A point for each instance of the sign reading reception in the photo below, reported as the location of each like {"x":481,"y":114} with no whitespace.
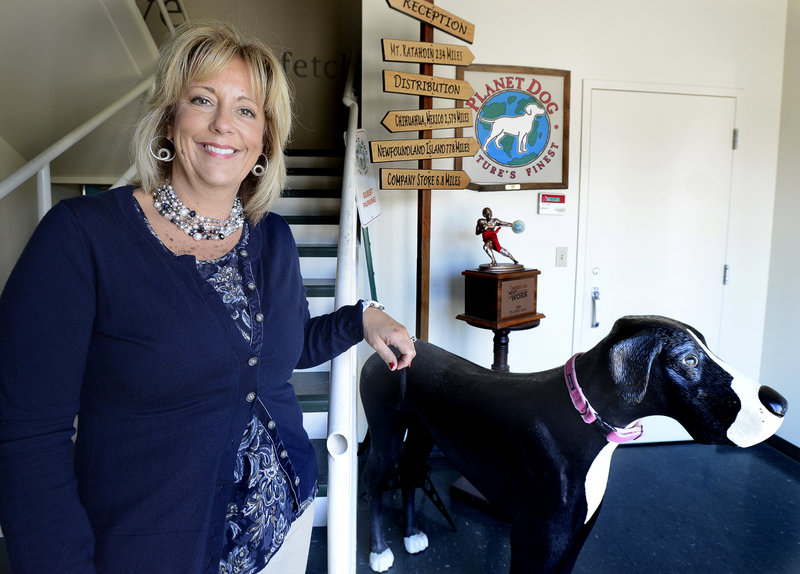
{"x":522,"y":126}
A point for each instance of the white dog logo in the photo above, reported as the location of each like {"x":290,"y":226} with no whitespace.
{"x":516,"y":126}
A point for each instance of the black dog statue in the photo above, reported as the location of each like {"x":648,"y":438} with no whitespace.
{"x":538,"y":446}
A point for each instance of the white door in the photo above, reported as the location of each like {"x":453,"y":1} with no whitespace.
{"x":656,"y":187}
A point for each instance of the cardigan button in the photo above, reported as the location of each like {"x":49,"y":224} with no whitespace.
{"x":251,"y":286}
{"x":259,"y":317}
{"x":250,"y":397}
{"x":297,"y":481}
{"x":243,"y":253}
{"x":284,"y":454}
{"x":271,"y":425}
{"x":252,"y":361}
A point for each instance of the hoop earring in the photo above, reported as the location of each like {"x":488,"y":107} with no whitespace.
{"x":163,"y":154}
{"x":258,"y":169}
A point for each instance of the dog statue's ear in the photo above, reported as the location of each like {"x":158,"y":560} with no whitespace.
{"x":629,"y":361}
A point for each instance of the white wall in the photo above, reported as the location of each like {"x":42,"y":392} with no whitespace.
{"x":17,"y":212}
{"x":687,"y":42}
{"x":781,"y":362}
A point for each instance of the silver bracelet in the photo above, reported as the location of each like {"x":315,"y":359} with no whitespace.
{"x":370,"y":303}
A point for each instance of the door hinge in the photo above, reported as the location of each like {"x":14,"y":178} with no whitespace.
{"x":725,"y":271}
{"x":735,"y":138}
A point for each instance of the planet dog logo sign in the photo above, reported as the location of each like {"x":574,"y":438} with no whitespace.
{"x":512,"y":128}
{"x":521,"y":125}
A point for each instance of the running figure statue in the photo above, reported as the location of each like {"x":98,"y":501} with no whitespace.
{"x":487,"y":227}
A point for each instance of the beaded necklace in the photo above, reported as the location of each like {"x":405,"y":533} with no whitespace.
{"x":168,"y":204}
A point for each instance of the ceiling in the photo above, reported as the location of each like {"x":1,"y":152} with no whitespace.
{"x":63,"y":62}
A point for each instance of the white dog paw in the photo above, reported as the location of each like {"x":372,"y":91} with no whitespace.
{"x":381,"y":562}
{"x":416,"y":542}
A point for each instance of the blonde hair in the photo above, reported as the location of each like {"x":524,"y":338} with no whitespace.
{"x":197,"y":51}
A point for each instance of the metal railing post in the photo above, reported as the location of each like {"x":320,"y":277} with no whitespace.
{"x":342,"y":440}
{"x":44,"y":191}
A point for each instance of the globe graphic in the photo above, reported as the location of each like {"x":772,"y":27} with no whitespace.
{"x":511,"y":103}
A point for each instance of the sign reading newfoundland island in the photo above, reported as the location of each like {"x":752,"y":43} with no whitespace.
{"x":522,"y":126}
{"x":403,"y":150}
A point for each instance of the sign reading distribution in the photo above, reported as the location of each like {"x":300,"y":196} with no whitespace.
{"x":421,"y":85}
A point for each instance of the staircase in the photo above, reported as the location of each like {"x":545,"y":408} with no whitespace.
{"x":310,"y":204}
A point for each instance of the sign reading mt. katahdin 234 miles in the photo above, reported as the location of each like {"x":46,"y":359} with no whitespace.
{"x":426,"y":52}
{"x":436,"y":17}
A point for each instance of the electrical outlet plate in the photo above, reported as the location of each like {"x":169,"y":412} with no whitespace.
{"x":561,"y":256}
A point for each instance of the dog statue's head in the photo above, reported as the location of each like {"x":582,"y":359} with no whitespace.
{"x":666,"y":364}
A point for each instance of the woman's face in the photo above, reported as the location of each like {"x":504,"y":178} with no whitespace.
{"x":218,"y":131}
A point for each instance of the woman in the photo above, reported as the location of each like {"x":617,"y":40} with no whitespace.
{"x":169,"y":317}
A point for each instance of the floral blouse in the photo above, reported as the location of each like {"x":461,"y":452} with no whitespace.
{"x":261,"y":508}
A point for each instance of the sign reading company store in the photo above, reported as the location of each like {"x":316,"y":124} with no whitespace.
{"x":522,"y":126}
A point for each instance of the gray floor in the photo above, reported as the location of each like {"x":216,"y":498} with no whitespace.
{"x":680,"y":508}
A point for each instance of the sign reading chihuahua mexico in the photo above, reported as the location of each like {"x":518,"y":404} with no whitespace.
{"x":429,"y":14}
{"x":435,"y":119}
{"x":426,"y":52}
{"x":522,"y":126}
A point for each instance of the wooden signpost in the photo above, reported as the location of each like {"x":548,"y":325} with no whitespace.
{"x":426,"y":86}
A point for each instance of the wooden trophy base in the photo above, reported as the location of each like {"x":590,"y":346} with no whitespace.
{"x":502,"y":299}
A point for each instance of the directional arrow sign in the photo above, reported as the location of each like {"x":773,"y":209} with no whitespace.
{"x":420,"y":85}
{"x":436,"y":17}
{"x":435,"y":119}
{"x":402,"y":150}
{"x":423,"y":179}
{"x":426,"y":52}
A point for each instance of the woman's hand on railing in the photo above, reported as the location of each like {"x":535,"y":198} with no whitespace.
{"x":380,"y":331}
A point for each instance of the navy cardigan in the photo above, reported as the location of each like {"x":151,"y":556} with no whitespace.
{"x":99,"y":319}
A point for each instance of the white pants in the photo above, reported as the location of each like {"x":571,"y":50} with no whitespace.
{"x":292,"y":556}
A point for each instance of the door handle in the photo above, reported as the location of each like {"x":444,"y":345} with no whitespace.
{"x":595,"y":299}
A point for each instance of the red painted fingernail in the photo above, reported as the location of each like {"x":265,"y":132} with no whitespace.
{"x":391,"y":366}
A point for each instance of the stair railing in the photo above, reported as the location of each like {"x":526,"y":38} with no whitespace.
{"x":342,"y":443}
{"x":165,"y":13}
{"x":40,"y":165}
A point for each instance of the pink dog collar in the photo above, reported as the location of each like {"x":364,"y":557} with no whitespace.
{"x":589,"y":415}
